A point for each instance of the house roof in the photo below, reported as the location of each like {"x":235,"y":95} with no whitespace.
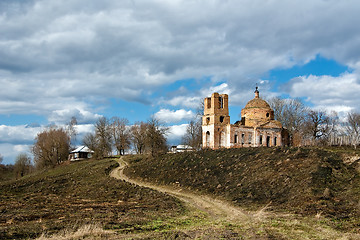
{"x":184,"y":147}
{"x":82,"y":149}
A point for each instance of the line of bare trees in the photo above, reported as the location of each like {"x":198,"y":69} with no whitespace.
{"x":52,"y":146}
{"x":315,"y":127}
{"x":144,"y":137}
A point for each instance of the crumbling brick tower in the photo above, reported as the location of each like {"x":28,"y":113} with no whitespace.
{"x":216,"y":121}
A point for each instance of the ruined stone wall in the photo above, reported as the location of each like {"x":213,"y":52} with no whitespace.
{"x":241,"y":136}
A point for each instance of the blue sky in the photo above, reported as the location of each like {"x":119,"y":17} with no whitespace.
{"x":137,"y":59}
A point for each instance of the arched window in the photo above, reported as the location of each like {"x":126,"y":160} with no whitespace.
{"x":260,"y":140}
{"x":222,"y":119}
{"x":235,"y":138}
{"x":275,"y":141}
{"x":207,"y":139}
{"x":268,"y":141}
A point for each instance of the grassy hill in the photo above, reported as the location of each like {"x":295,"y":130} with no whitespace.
{"x":308,"y":181}
{"x":71,"y":196}
{"x":321,"y":186}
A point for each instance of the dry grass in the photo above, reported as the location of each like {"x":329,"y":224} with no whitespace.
{"x":300,"y":180}
{"x":81,"y":201}
{"x":78,"y":194}
{"x":88,"y":231}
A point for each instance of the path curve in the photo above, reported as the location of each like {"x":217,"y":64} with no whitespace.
{"x":214,"y":207}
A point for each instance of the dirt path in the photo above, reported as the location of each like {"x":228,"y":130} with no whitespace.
{"x":214,"y":207}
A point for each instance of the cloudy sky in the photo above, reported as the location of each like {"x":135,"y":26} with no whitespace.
{"x":137,"y":59}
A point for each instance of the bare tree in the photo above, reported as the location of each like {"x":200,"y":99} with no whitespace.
{"x":138,"y":136}
{"x":101,"y":141}
{"x":200,"y":108}
{"x":278,"y":105}
{"x":353,"y":128}
{"x":90,"y":141}
{"x":22,"y":165}
{"x":71,"y":129}
{"x":155,"y":137}
{"x":120,"y":134}
{"x":51,"y":147}
{"x":193,"y":135}
{"x":318,"y":126}
{"x":292,"y":114}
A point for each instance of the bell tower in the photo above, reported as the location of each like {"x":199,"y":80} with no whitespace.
{"x":216,"y":121}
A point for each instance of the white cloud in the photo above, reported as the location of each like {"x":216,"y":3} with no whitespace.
{"x":21,"y":148}
{"x":176,"y":132}
{"x":339,"y":93}
{"x":65,"y":115}
{"x":10,"y":151}
{"x":168,"y":116}
{"x":85,"y":128}
{"x":222,"y":88}
{"x":18,"y":134}
{"x":184,"y":101}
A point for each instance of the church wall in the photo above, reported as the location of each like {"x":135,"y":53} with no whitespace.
{"x":244,"y":136}
{"x":266,"y":137}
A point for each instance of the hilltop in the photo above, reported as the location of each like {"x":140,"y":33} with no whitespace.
{"x":71,"y":196}
{"x":306,"y":181}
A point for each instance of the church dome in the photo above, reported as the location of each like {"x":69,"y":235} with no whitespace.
{"x":256,"y":112}
{"x":257,"y":103}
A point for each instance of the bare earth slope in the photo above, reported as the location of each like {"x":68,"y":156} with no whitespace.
{"x":215,"y":207}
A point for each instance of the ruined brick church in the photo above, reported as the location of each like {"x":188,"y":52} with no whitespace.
{"x":256,"y":128}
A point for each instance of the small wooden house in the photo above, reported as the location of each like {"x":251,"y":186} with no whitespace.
{"x":80,"y":153}
{"x":181,"y":148}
